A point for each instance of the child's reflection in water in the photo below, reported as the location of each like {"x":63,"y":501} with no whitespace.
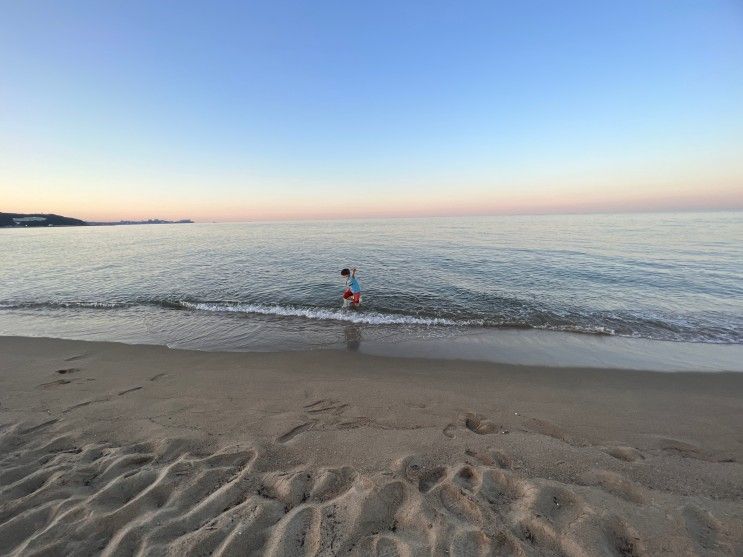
{"x":353,"y":337}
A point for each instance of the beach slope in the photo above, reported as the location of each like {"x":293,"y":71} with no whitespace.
{"x":116,"y":449}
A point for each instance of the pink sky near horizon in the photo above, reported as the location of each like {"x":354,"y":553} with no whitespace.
{"x":404,"y":205}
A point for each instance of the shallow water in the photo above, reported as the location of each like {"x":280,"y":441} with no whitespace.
{"x":673,"y":277}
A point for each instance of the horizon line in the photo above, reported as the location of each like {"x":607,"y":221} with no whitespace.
{"x":481,"y":215}
{"x":240,"y":220}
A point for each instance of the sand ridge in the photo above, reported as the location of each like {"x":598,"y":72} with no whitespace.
{"x":307,"y":459}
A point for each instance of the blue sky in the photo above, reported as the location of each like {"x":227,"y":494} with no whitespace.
{"x":298,"y":109}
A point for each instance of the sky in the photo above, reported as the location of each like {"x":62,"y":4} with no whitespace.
{"x":229,"y":111}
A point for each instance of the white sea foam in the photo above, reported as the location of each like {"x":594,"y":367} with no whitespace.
{"x":589,"y":330}
{"x":352,"y":316}
{"x":93,"y":305}
{"x":70,"y":304}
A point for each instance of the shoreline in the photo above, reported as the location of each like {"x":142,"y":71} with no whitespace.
{"x":527,"y":347}
{"x":557,"y":349}
{"x":114,"y":448}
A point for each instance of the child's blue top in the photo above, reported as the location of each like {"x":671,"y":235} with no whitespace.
{"x":353,"y":284}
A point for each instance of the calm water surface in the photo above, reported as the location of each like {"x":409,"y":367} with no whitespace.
{"x":674,"y":277}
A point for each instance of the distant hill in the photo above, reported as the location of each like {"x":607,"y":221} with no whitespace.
{"x":23,"y":220}
{"x":20,"y":220}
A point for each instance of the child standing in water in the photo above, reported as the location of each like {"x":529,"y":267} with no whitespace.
{"x":353,"y":288}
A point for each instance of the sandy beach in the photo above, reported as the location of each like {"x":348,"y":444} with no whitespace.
{"x":118,"y":449}
{"x":398,"y":280}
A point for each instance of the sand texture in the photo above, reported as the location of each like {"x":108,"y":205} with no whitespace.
{"x":132,"y":450}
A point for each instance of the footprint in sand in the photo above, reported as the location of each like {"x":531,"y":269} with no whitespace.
{"x":427,"y":475}
{"x":492,"y":458}
{"x":687,"y":450}
{"x":34,"y":428}
{"x":627,"y":454}
{"x":125,"y":391}
{"x":68,"y":370}
{"x":558,"y":506}
{"x":429,"y":478}
{"x":500,"y":488}
{"x":78,"y":405}
{"x":502,"y":459}
{"x":318,"y":402}
{"x":83,"y":404}
{"x":540,"y":535}
{"x":543,"y":427}
{"x":616,"y":484}
{"x":293,"y":432}
{"x":482,"y":457}
{"x":53,"y":384}
{"x":332,"y":483}
{"x":468,"y":478}
{"x":472,"y":542}
{"x":460,"y":504}
{"x":291,"y":489}
{"x":681,"y":448}
{"x":387,"y":546}
{"x":326,"y":406}
{"x":478,"y":424}
{"x":330,"y":408}
{"x":298,"y":534}
{"x":704,"y":529}
{"x":622,"y":538}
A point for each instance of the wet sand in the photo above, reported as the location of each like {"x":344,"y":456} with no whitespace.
{"x":116,"y":449}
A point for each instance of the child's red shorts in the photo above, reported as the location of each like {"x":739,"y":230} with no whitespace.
{"x":348,"y":294}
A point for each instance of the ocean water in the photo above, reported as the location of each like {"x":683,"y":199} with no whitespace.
{"x":263,"y":286}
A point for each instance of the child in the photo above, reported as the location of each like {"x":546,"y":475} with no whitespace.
{"x":353,"y":289}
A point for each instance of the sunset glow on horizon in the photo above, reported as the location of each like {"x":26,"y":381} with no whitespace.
{"x":294,"y":111}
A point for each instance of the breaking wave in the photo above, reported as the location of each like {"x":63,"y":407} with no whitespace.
{"x":509,"y":314}
{"x":353,"y":316}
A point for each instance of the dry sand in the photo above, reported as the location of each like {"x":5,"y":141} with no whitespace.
{"x":119,"y":450}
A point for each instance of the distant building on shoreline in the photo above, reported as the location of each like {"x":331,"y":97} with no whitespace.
{"x":26,"y":220}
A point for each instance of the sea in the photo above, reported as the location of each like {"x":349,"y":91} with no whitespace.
{"x":514,"y":288}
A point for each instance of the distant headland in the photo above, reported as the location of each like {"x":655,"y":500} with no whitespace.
{"x":25,"y":220}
